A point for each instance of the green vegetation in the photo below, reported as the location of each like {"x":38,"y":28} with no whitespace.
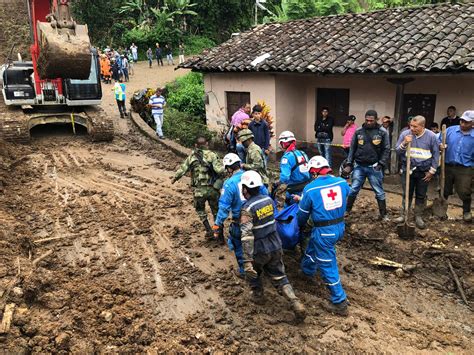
{"x":184,"y":128}
{"x":186,"y":94}
{"x":201,"y":24}
{"x":185,"y":116}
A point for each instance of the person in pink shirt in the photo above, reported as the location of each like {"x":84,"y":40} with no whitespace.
{"x":242,"y":114}
{"x":347,"y":133}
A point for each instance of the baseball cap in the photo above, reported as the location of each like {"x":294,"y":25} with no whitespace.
{"x":468,"y":116}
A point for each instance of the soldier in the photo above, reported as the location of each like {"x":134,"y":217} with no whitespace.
{"x":205,"y":167}
{"x":255,"y":159}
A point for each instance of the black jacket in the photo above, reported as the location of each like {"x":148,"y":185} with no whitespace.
{"x":370,"y":146}
{"x":323,"y":128}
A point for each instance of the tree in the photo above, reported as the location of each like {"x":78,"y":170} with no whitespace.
{"x":181,"y":9}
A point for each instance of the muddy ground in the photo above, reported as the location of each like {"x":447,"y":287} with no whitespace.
{"x":127,"y":268}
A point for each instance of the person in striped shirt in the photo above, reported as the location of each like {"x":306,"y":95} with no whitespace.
{"x":424,"y":162}
{"x":158,"y":103}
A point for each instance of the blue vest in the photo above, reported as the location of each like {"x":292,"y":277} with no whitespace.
{"x":262,"y":210}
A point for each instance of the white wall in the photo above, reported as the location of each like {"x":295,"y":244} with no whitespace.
{"x":292,"y":97}
{"x":260,"y":86}
{"x":449,"y":90}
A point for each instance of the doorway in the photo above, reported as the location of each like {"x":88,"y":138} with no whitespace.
{"x":418,"y":104}
{"x":235,"y":100}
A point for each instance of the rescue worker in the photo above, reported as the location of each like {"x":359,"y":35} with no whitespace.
{"x":255,"y":159}
{"x":294,"y":171}
{"x":262,"y":249}
{"x":119,"y":91}
{"x":324,"y":201}
{"x":206,"y":168}
{"x":231,"y":200}
{"x":368,"y":156}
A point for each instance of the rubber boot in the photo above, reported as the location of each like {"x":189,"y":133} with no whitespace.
{"x":401,"y":218}
{"x":466,"y":209}
{"x":350,"y":203}
{"x":220,"y":238}
{"x":209,"y":231}
{"x":298,"y":307}
{"x":256,"y":296}
{"x":383,"y":210}
{"x":418,"y":216}
{"x":339,"y":309}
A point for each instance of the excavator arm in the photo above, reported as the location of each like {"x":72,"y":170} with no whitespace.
{"x":61,"y":47}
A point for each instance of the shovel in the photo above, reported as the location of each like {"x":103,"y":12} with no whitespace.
{"x":440,"y":205}
{"x":405,"y":230}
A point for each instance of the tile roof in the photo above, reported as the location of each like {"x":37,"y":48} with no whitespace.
{"x":404,"y":40}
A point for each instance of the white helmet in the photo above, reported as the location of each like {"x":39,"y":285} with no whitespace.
{"x":230,"y":159}
{"x":251,"y":179}
{"x":286,"y":136}
{"x":318,"y":162}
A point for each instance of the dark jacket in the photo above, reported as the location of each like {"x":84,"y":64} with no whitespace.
{"x":158,"y":52}
{"x":323,"y":128}
{"x":261,"y":133}
{"x":370,"y":146}
{"x":450,"y":121}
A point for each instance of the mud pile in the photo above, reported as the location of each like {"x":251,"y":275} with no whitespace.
{"x":100,"y":253}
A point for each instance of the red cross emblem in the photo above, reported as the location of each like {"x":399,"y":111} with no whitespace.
{"x":332,"y":194}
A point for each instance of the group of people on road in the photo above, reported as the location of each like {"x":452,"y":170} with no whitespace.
{"x":167,"y":52}
{"x":323,"y":199}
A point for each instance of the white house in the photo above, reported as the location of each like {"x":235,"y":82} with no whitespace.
{"x":400,"y":62}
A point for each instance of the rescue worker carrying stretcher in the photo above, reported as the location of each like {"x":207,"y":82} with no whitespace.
{"x":324,"y":200}
{"x":262,"y":249}
{"x":206,"y":170}
{"x":232,"y":199}
{"x":293,"y":167}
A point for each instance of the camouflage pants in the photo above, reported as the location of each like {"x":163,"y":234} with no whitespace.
{"x":203,"y":194}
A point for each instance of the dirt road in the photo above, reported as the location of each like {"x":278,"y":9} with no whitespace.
{"x":126,"y":267}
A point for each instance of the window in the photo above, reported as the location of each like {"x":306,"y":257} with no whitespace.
{"x":337,"y":100}
{"x":235,"y":100}
{"x":418,"y":104}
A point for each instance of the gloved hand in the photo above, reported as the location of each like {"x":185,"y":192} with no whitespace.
{"x":250,"y":272}
{"x":378,"y":167}
{"x":348,"y":169}
{"x":217,"y":230}
{"x":173,"y":180}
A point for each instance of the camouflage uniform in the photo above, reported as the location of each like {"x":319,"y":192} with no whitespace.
{"x":201,"y":180}
{"x":256,"y":161}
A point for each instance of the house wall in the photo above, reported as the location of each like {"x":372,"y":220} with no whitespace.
{"x":260,"y":86}
{"x":292,"y":97}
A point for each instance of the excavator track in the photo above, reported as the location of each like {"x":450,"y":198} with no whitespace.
{"x":100,"y":126}
{"x":15,"y":124}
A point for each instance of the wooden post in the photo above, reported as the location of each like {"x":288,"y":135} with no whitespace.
{"x":397,"y":118}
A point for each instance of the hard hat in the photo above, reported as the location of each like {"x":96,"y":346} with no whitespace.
{"x":318,"y":162}
{"x":251,"y":179}
{"x":245,"y":134}
{"x":230,"y":159}
{"x":286,"y":136}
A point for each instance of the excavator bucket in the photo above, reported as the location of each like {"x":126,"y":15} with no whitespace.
{"x":63,"y":52}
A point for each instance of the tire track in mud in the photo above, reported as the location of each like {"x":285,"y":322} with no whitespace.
{"x":131,"y":271}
